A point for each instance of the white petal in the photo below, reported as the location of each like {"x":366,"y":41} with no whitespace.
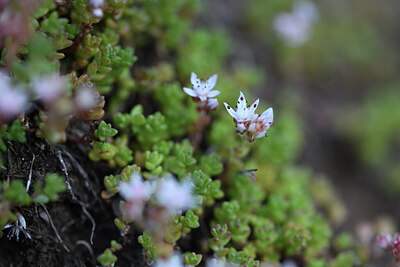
{"x":202,"y":98}
{"x":194,"y":80}
{"x":253,"y":107}
{"x":190,"y":92}
{"x":252,"y":127}
{"x":262,"y":134}
{"x":211,"y":81}
{"x":268,"y":115}
{"x":22,"y":221}
{"x":8,"y":225}
{"x":213,"y":93}
{"x":242,"y":103}
{"x":230,"y":110}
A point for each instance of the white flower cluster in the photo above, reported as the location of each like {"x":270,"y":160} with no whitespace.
{"x":247,"y":121}
{"x":202,"y":91}
{"x":168,"y":193}
{"x":296,"y":27}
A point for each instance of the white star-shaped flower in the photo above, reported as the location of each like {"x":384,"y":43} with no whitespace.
{"x":243,"y":113}
{"x":202,"y":90}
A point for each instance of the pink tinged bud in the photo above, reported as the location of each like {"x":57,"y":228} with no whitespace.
{"x":212,"y":103}
{"x":240,"y":128}
{"x":383,"y":240}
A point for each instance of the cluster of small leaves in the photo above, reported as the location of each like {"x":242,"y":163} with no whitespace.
{"x":111,"y":182}
{"x":192,"y":259}
{"x":148,"y":243}
{"x":178,"y":116}
{"x":15,"y":131}
{"x":14,"y":194}
{"x":107,"y":258}
{"x":115,"y":151}
{"x":206,"y":188}
{"x":180,"y":225}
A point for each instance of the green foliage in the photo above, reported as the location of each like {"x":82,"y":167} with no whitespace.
{"x":203,"y":53}
{"x":105,"y":130}
{"x":55,"y":184}
{"x":205,"y":187}
{"x":221,"y":237}
{"x":15,"y":194}
{"x":271,"y":217}
{"x":240,"y":258}
{"x":111,"y":182}
{"x":15,"y":131}
{"x":179,"y":116}
{"x":181,"y":159}
{"x":211,"y":164}
{"x":180,"y":225}
{"x":192,"y":259}
{"x":152,"y":163}
{"x":344,"y":259}
{"x":107,"y":258}
{"x":147,"y":241}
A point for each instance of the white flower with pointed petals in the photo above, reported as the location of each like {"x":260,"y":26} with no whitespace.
{"x":202,"y":90}
{"x":243,"y":113}
{"x":17,"y":227}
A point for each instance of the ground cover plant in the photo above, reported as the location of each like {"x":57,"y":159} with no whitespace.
{"x":126,"y":139}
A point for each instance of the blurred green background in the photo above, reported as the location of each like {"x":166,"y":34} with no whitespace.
{"x":335,"y":64}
